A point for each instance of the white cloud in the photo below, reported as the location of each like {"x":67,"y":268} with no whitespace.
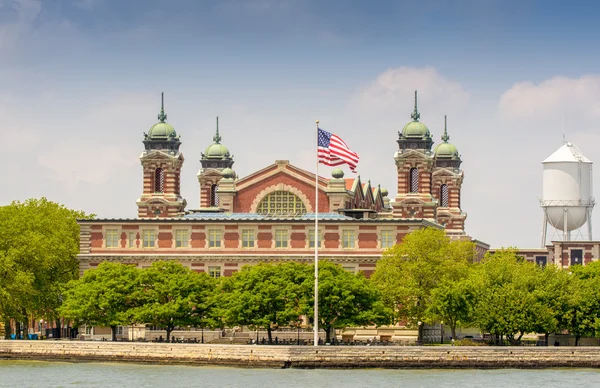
{"x":394,"y":88}
{"x":576,"y":98}
{"x":77,"y":161}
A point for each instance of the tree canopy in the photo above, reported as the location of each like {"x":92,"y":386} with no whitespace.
{"x":103,"y":296}
{"x":408,"y":274}
{"x":38,"y":249}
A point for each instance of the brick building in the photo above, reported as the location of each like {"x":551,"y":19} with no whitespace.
{"x":269,"y":214}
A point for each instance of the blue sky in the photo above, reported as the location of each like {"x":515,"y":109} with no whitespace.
{"x":81,"y":82}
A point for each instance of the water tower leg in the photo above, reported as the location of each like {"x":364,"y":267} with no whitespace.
{"x":589,"y":222}
{"x":565,"y":225}
{"x":544,"y":228}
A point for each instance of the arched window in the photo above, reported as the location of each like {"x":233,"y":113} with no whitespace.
{"x":414,"y":180}
{"x":159,"y":180}
{"x":214,"y":197}
{"x":281,"y":202}
{"x":444,"y":195}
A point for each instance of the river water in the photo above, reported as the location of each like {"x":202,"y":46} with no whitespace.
{"x":57,"y":374}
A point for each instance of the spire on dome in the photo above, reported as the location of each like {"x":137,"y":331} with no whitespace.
{"x":217,"y":137}
{"x":445,"y":136}
{"x":415,"y":115}
{"x":162,"y":117}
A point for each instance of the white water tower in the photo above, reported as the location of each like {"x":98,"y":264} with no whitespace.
{"x":567,"y":198}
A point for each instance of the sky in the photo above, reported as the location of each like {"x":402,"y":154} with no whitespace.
{"x":80,"y":82}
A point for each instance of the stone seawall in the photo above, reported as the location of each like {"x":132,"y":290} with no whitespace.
{"x":305,"y":356}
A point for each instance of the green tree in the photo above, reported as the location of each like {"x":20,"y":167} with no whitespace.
{"x":556,"y":291}
{"x":15,"y":286}
{"x":103,"y":296}
{"x":345,"y":299}
{"x":453,"y":302}
{"x":263,"y":296}
{"x":40,"y":240}
{"x":507,"y":302}
{"x":408,"y":273}
{"x":170,"y":295}
{"x":583,"y":314}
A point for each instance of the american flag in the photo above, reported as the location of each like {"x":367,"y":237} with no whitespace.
{"x":333,"y":151}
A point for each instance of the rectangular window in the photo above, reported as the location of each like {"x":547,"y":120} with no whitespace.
{"x":349,"y":268}
{"x":181,"y":238}
{"x":88,"y":329}
{"x":214,"y":271}
{"x":148,"y":238}
{"x":576,"y":256}
{"x":112,"y":238}
{"x":214,"y":238}
{"x":388,"y":239}
{"x":348,"y":239}
{"x":541,"y":261}
{"x":119,"y":330}
{"x":247,"y":238}
{"x":281,"y":238}
{"x":131,"y":237}
{"x":311,"y":238}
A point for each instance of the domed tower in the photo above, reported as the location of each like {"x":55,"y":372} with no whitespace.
{"x":414,"y":162}
{"x":215,"y":159}
{"x":446,"y":184}
{"x":161,"y":163}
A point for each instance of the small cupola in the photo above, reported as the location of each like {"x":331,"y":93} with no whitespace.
{"x":446,"y":151}
{"x":162,"y":135}
{"x":415,"y":134}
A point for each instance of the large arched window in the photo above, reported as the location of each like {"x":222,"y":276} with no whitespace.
{"x":414,"y":180}
{"x":214,"y":197}
{"x":159,"y":180}
{"x":444,"y":195}
{"x":281,"y":202}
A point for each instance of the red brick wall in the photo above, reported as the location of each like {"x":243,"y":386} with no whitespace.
{"x":246,"y":196}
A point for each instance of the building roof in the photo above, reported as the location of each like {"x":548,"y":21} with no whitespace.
{"x":261,"y":217}
{"x":254,"y":217}
{"x":567,"y":153}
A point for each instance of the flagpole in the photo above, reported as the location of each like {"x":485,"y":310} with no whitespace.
{"x":316,"y":308}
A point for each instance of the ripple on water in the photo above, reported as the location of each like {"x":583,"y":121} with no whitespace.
{"x":58,"y":374}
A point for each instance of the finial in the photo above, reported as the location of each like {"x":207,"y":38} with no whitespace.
{"x":162,"y":117}
{"x":415,"y":115}
{"x":217,"y":137}
{"x":445,"y":136}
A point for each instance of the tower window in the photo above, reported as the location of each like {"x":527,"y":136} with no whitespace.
{"x":214,"y":197}
{"x":414,"y":180}
{"x":159,"y":180}
{"x":444,"y":195}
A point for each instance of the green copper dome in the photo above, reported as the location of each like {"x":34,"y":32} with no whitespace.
{"x":162,"y":135}
{"x":446,"y":150}
{"x":228,"y":173}
{"x":217,"y":150}
{"x":161,"y":130}
{"x":415,"y":130}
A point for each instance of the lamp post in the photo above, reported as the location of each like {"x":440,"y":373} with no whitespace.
{"x":298,"y":333}
{"x":442,"y":332}
{"x":202,"y":339}
{"x":419,"y":333}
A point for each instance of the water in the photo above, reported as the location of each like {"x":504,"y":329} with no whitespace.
{"x":57,"y":374}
